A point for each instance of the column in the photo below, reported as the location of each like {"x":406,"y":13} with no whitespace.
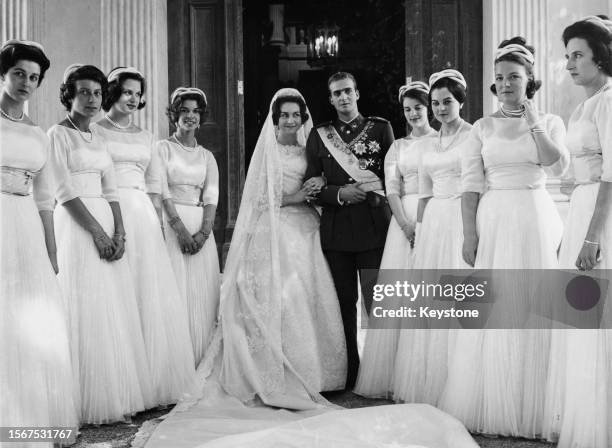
{"x":134,"y":33}
{"x":14,"y":22}
{"x":14,"y":19}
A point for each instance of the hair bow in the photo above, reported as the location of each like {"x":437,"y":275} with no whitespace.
{"x":187,"y":90}
{"x":114,"y":73}
{"x":70,"y":70}
{"x":419,"y":86}
{"x":450,"y":73}
{"x":27,"y":43}
{"x":515,"y":49}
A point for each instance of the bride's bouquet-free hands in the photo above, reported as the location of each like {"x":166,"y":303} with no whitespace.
{"x":309,"y":192}
{"x":315,"y":184}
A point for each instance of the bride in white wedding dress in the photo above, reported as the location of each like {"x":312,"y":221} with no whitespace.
{"x":280,"y":340}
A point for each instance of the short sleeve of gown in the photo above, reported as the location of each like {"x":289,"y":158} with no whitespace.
{"x":472,"y":165}
{"x":392,"y":173}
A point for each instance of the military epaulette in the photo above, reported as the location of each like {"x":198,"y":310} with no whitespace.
{"x":325,"y":123}
{"x":378,"y":119}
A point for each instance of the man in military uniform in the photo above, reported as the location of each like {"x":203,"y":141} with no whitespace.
{"x":350,"y":152}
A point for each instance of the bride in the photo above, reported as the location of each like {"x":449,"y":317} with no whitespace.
{"x":280,"y":339}
{"x":279,"y":327}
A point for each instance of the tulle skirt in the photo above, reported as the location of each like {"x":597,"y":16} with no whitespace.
{"x":579,"y":398}
{"x":36,"y":382}
{"x":108,"y":351}
{"x":163,"y":315}
{"x":518,"y":229}
{"x":422,"y":355}
{"x":198,"y":279}
{"x":377,"y":363}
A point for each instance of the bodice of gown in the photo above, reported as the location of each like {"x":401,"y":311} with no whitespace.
{"x":589,"y":139}
{"x":24,"y":151}
{"x":401,"y":166}
{"x":137,"y":163}
{"x":81,"y":168}
{"x":501,"y":154}
{"x":440,"y":171}
{"x":293,"y":160}
{"x":189,"y":174}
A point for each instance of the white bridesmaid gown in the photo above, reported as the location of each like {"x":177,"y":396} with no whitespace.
{"x":375,"y":377}
{"x":518,"y":228}
{"x":422,"y":355}
{"x":108,"y":351}
{"x":36,"y":381}
{"x":191,"y":180}
{"x":163,"y":314}
{"x":579,"y":400}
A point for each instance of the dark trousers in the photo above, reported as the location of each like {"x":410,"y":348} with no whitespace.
{"x":344,"y":267}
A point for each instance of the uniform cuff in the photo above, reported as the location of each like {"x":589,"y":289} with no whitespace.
{"x":338,"y":198}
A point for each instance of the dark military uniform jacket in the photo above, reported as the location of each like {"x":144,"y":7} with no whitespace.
{"x":351,"y":227}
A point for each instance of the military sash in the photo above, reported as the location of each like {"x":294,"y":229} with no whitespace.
{"x":349,"y":162}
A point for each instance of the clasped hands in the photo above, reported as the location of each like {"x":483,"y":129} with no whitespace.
{"x":109,"y":249}
{"x":409,"y":230}
{"x":190,"y":244}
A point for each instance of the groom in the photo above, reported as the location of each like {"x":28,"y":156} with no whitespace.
{"x":350,"y":153}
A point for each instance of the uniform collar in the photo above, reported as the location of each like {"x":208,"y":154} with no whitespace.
{"x":352,"y":126}
{"x":358,"y":120}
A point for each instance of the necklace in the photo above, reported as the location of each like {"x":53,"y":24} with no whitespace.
{"x":441,"y":148}
{"x":12,"y":118}
{"x":601,"y":89}
{"x":117,"y":125}
{"x":81,"y":132}
{"x":512,"y":113}
{"x":186,"y":148}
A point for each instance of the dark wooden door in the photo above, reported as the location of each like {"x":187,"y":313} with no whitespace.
{"x":205,"y":51}
{"x":446,"y":34}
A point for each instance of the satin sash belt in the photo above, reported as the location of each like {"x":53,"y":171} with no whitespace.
{"x":129,"y":176}
{"x":515,"y":176}
{"x":16,"y":181}
{"x":184,"y":194}
{"x":447,"y":185}
{"x":87,"y":184}
{"x":587,"y":167}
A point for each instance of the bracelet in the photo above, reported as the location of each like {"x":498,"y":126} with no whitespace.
{"x":100,"y":237}
{"x":537,"y":130}
{"x":120,"y":236}
{"x":204,"y":234}
{"x":593,"y":243}
{"x":173,"y":220}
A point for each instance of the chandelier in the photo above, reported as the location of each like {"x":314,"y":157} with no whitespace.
{"x":323,"y":45}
